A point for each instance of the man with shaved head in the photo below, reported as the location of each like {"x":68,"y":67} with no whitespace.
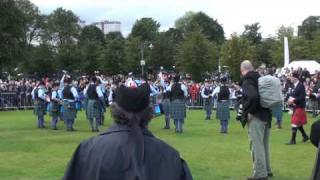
{"x":259,"y":122}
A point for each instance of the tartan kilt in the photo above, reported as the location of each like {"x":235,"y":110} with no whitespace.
{"x":166,"y":107}
{"x":299,"y":117}
{"x":54,"y":109}
{"x":39,"y":108}
{"x":223,"y":110}
{"x":208,"y":103}
{"x":277,"y":111}
{"x":178,"y":109}
{"x":69,"y":110}
{"x":93,"y":109}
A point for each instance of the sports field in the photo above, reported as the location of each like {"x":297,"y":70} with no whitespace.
{"x":28,"y":153}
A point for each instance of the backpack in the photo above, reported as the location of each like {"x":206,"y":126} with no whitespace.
{"x":270,"y":91}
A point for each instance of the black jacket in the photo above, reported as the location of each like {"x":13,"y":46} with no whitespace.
{"x":315,"y":136}
{"x":102,"y":157}
{"x":299,"y":93}
{"x":251,"y":100}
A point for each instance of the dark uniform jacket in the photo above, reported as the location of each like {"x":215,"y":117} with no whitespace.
{"x":102,"y":158}
{"x":299,"y":93}
{"x":251,"y":100}
{"x":315,"y":137}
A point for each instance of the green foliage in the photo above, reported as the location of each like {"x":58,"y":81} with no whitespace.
{"x":197,"y":55}
{"x":183,"y":22}
{"x":234,"y":51}
{"x":112,"y":56}
{"x":132,"y":55}
{"x":310,"y":28}
{"x":165,"y":49}
{"x":210,"y":27}
{"x":11,"y":33}
{"x":252,"y":33}
{"x":146,"y":29}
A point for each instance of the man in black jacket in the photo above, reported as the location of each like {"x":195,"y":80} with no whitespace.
{"x":258,"y":120}
{"x":128,"y":150}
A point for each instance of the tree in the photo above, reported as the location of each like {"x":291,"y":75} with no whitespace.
{"x":112,"y":56}
{"x":234,"y":51}
{"x":62,"y":27}
{"x":145,"y":29}
{"x":62,"y":32}
{"x":182,"y":23}
{"x":210,"y":27}
{"x":91,"y":41}
{"x":197,"y":55}
{"x":164,"y":49}
{"x":310,"y":28}
{"x":132,"y":55}
{"x":11,"y":33}
{"x":252,"y":33}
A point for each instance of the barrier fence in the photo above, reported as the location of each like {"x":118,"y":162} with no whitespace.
{"x":16,"y":101}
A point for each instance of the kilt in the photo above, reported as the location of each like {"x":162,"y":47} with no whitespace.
{"x":223,"y":110}
{"x":178,"y":109}
{"x":208,"y":103}
{"x":39,"y":108}
{"x":166,"y":107}
{"x":69,"y":110}
{"x":93,"y":109}
{"x":54,"y":110}
{"x":277,"y":111}
{"x":299,"y":117}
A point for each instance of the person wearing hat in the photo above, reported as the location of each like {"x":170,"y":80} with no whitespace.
{"x":297,"y":100}
{"x":166,"y":103}
{"x":178,"y":93}
{"x":40,"y":99}
{"x":69,"y":96}
{"x":127,"y":150}
{"x":94,"y":108}
{"x":55,"y":105}
{"x":206,"y":94}
{"x":223,"y":110}
{"x":315,"y":139}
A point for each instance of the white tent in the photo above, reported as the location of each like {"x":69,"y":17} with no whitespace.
{"x":311,"y":65}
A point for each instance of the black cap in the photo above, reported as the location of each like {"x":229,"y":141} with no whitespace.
{"x":176,"y":78}
{"x":133,"y":99}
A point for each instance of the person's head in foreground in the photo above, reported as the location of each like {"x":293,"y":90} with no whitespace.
{"x":127,"y":150}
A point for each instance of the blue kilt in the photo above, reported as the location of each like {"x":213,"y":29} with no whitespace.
{"x":69,"y":110}
{"x":93,"y":109}
{"x":223,"y":110}
{"x":54,"y":109}
{"x":178,"y":109}
{"x":277,"y":112}
{"x":166,"y":107}
{"x":208,"y":103}
{"x":39,"y":108}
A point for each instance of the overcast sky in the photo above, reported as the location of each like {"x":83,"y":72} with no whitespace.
{"x":232,"y":14}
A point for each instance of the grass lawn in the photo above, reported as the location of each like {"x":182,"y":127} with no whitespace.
{"x":30,"y":153}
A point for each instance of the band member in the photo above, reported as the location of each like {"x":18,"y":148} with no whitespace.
{"x":206,"y":94}
{"x":40,"y":99}
{"x":223,"y":110}
{"x":94,"y":107}
{"x":70,"y":96}
{"x":178,"y":93}
{"x":166,"y":104}
{"x":297,"y":100}
{"x":55,"y":105}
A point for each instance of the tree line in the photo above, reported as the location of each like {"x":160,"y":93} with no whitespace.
{"x":31,"y":42}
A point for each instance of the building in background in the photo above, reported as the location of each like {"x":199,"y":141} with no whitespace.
{"x":108,"y":26}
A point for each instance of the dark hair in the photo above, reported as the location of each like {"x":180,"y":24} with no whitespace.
{"x":124,"y":117}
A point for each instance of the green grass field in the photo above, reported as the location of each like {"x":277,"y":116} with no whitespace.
{"x":29,"y":153}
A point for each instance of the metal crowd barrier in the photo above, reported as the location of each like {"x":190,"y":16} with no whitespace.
{"x":14,"y":101}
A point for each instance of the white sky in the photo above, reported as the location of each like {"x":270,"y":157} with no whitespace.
{"x":232,"y":14}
